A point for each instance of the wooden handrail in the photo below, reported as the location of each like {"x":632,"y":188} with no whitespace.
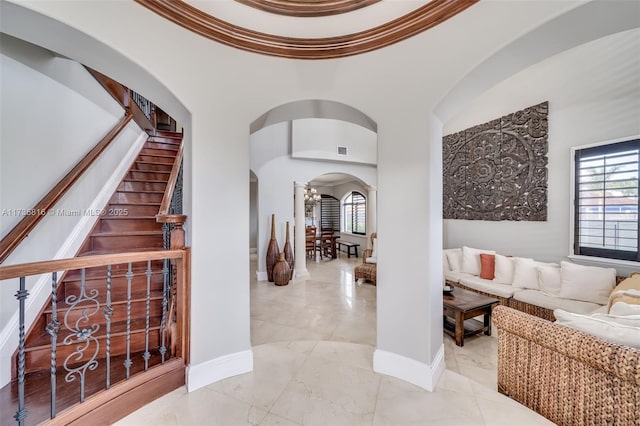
{"x":25,"y":226}
{"x":47,"y":266}
{"x":122,"y":95}
{"x":163,"y":213}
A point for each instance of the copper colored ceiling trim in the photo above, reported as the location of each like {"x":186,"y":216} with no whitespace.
{"x":421,"y":19}
{"x":306,"y":8}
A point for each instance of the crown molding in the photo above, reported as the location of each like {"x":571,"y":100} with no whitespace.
{"x":305,"y":8}
{"x":415,"y":22}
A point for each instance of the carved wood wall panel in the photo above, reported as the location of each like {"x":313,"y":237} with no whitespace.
{"x":498,"y":170}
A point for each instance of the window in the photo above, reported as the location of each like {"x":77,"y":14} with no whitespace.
{"x":606,"y":200}
{"x":329,"y":212}
{"x":354,"y":210}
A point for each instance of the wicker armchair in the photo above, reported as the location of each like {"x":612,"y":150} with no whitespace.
{"x":366,"y":271}
{"x":567,"y":376}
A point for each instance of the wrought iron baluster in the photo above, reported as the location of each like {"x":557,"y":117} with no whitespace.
{"x":147,"y":355}
{"x":53,"y":328}
{"x":165,"y":302}
{"x":21,"y":295}
{"x":127,"y":361}
{"x":82,"y":334}
{"x":108,"y":313}
{"x":166,"y":236}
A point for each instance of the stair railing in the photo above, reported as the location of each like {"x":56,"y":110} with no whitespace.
{"x":33,"y":216}
{"x":77,"y":334}
{"x":170,"y":211}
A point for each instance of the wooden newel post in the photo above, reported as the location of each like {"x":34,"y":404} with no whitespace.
{"x":177,"y":234}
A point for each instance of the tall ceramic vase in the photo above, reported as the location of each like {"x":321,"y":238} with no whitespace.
{"x":272,"y":250}
{"x":281,"y":271}
{"x":288,"y":252}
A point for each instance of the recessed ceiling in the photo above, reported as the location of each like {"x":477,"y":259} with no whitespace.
{"x":197,"y":16}
{"x":331,"y":179}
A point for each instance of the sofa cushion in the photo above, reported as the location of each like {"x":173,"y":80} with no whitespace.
{"x":505,"y":267}
{"x":487,"y":266}
{"x":611,"y":331}
{"x":628,"y":291}
{"x":587,"y":283}
{"x":488,"y":286}
{"x":455,"y":276}
{"x":525,"y":274}
{"x":453,"y":258}
{"x":471,"y":259}
{"x":549,"y":278}
{"x":536,"y":297}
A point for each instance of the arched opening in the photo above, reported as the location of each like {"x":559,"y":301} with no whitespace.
{"x":328,"y":149}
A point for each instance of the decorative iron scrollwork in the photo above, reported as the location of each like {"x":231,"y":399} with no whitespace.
{"x":82,"y":334}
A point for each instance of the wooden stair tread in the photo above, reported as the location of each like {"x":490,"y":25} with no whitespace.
{"x":140,"y":191}
{"x":120,"y":203}
{"x":123,"y":250}
{"x":155,"y":163}
{"x":129,"y":218}
{"x":125,"y":233}
{"x":150,"y":171}
{"x":151,"y":154}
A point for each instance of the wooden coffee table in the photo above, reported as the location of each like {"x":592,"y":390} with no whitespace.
{"x":460,"y":307}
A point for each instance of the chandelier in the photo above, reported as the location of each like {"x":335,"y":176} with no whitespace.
{"x":311,"y":198}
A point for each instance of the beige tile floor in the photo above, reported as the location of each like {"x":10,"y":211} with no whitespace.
{"x":313,"y":344}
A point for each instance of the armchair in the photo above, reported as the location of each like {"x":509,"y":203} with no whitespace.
{"x":367,"y":270}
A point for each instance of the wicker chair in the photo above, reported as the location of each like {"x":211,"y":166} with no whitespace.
{"x":567,"y":376}
{"x":366,"y":271}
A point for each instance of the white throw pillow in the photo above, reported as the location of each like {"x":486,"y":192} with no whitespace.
{"x":549,"y":278}
{"x":471,"y":260}
{"x":372,"y":259}
{"x":586,"y":283}
{"x":525,"y":274}
{"x":374,"y":247}
{"x":505,"y":267}
{"x":624,"y":309}
{"x":454,"y":259}
{"x":607,"y":330}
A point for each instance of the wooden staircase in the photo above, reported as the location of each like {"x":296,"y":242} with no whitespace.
{"x":127,"y":224}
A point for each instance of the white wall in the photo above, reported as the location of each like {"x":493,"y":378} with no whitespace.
{"x":253,"y":215}
{"x":277,"y":172}
{"x":594,"y":95}
{"x":315,"y":138}
{"x":223,"y":91}
{"x":34,"y":126}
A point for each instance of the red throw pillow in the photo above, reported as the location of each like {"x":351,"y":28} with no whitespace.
{"x":487,"y":266}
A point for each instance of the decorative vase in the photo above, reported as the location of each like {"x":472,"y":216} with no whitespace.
{"x":288,"y":253}
{"x":272,"y":250}
{"x":281,"y":271}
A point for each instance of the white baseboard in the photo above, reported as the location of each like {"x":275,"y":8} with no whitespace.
{"x":212,"y":371}
{"x":410,"y":370}
{"x":262,"y":275}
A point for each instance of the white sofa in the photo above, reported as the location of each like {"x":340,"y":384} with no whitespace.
{"x":537,"y":288}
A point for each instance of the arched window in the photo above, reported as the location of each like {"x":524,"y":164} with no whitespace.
{"x":354,"y":213}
